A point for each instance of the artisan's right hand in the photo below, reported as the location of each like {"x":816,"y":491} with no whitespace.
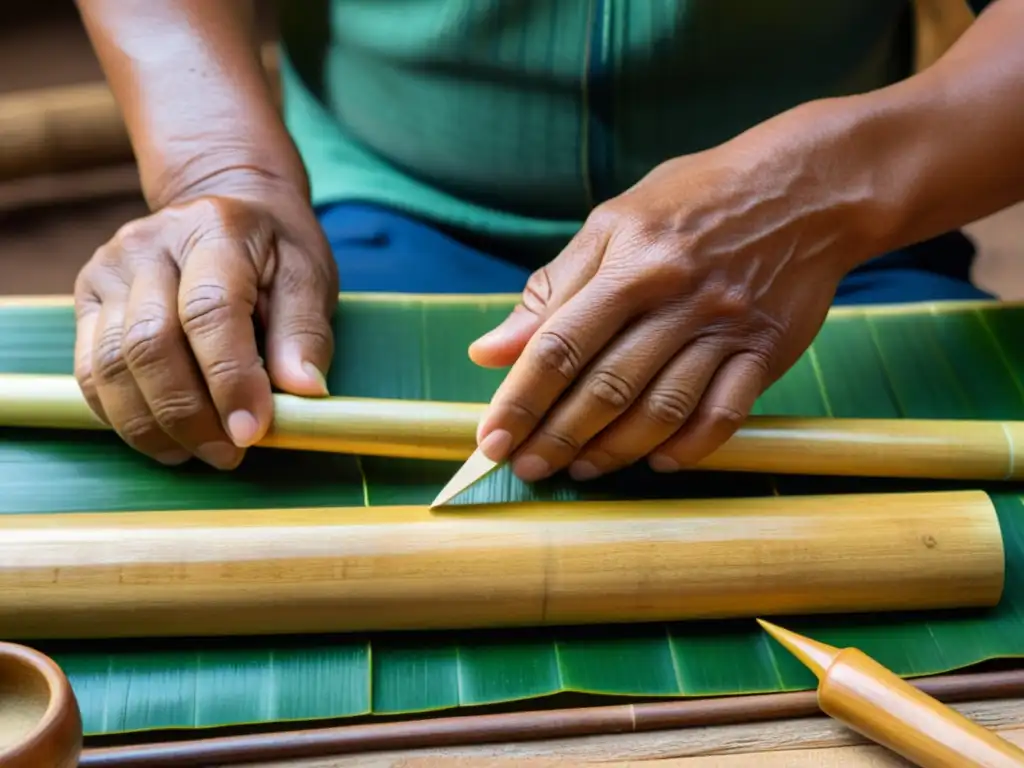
{"x":166,"y":348}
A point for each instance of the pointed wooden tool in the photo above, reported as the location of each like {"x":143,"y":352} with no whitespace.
{"x":865,"y":696}
{"x":477,"y":467}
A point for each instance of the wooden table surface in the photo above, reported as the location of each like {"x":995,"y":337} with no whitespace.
{"x":818,"y":742}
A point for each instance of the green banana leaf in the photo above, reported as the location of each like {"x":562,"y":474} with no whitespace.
{"x":941,"y":361}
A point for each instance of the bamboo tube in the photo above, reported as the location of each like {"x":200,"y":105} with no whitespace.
{"x":920,"y":448}
{"x":859,"y":692}
{"x":364,"y":426}
{"x":73,"y":127}
{"x":270,"y":571}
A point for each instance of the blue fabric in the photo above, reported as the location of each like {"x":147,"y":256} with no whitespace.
{"x":378,"y":249}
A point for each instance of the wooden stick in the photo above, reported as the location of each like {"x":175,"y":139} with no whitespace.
{"x":859,"y":692}
{"x":72,"y":127}
{"x":940,"y":448}
{"x":516,"y":726}
{"x":270,"y":571}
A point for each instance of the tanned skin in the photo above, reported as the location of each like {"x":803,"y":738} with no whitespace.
{"x":649,"y":336}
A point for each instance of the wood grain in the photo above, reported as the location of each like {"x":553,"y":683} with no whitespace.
{"x":859,"y":692}
{"x":267,"y":571}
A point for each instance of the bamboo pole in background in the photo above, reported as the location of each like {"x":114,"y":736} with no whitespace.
{"x":920,"y":448}
{"x":271,"y":571}
{"x":79,"y":126}
{"x":72,"y":127}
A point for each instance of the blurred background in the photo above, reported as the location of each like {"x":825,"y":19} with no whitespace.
{"x":58,"y":202}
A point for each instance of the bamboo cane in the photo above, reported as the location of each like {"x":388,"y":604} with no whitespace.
{"x":73,"y":127}
{"x":918,"y":448}
{"x":270,"y":571}
{"x":858,"y":691}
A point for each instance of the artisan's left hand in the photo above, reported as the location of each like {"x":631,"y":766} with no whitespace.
{"x":677,"y":304}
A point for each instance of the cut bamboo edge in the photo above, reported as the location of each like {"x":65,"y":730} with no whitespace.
{"x":327,"y":570}
{"x":909,"y":448}
{"x":467,"y":730}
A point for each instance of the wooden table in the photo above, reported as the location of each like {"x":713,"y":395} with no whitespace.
{"x":817,"y":742}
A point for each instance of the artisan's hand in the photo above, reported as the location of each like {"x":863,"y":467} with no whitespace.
{"x":166,"y":348}
{"x":676,"y":305}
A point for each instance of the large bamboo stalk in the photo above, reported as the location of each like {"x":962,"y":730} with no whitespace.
{"x":939,"y":448}
{"x":269,"y":571}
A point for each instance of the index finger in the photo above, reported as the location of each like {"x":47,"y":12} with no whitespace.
{"x":216,"y":302}
{"x":551,"y":361}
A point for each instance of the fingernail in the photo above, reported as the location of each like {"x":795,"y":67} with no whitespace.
{"x":659,"y":462}
{"x":531,"y":468}
{"x":314,"y":373}
{"x":220,"y":455}
{"x":583,"y":470}
{"x":174,"y":457}
{"x":497,"y":445}
{"x":243,"y":427}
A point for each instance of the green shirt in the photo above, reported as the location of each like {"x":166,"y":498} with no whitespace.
{"x":511,"y":119}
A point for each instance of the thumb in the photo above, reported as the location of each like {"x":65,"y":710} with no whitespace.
{"x":547,"y":289}
{"x":299,"y":338}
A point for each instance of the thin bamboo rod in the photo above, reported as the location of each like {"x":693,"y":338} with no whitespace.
{"x":73,"y":127}
{"x":270,"y":571}
{"x":920,"y":448}
{"x":515,"y":726}
{"x":484,"y":300}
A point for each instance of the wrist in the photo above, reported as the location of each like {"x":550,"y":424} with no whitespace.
{"x":822,"y":158}
{"x":230,"y":173}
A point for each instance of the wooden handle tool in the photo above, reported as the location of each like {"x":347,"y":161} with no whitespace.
{"x":859,"y":692}
{"x":40,"y":723}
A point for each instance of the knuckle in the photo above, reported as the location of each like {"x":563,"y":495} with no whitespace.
{"x":109,"y":363}
{"x":563,"y":441}
{"x":138,"y":428}
{"x":670,"y":406}
{"x":611,"y":389}
{"x":538,"y":290}
{"x":734,"y":304}
{"x":557,"y":353}
{"x":147,"y":338}
{"x":204,"y":307}
{"x":726,"y":417}
{"x":175,"y":409}
{"x":605,"y":217}
{"x":224,"y":370}
{"x":308,"y":328}
{"x":136,"y":235}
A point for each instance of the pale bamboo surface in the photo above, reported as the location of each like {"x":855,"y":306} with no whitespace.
{"x":269,"y":571}
{"x":815,"y":742}
{"x":363,"y":426}
{"x":858,"y":691}
{"x":940,"y":448}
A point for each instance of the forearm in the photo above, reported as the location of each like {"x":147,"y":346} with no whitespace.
{"x":195,"y":99}
{"x":946,"y":146}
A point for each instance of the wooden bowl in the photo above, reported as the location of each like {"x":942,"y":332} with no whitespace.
{"x":40,"y":724}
